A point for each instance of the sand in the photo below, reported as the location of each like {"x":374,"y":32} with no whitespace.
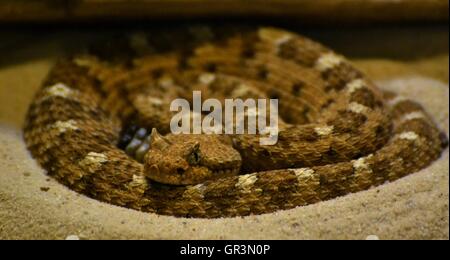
{"x":34,"y":206}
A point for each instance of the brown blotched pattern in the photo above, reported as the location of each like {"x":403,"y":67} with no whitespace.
{"x":338,"y":133}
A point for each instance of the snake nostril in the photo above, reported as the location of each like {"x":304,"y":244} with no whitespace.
{"x":180,"y":171}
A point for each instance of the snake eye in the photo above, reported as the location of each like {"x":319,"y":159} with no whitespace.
{"x":194,"y":156}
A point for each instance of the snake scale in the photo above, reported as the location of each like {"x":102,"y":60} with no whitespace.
{"x":338,"y":133}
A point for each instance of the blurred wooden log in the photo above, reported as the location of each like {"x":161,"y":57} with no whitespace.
{"x":311,"y":11}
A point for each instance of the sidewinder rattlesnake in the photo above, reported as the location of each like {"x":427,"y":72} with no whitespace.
{"x":338,"y":134}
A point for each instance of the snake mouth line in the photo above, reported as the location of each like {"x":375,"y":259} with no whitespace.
{"x":225,"y":171}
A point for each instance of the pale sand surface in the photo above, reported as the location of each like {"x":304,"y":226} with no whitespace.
{"x":415,"y":207}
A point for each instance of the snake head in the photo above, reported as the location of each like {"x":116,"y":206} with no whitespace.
{"x":189,"y":159}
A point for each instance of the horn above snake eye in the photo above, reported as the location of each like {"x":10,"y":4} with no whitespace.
{"x":158,"y":141}
{"x":194,"y":155}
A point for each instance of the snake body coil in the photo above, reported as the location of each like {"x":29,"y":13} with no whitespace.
{"x":338,"y":134}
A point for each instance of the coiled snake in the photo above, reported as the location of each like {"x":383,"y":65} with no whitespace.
{"x":338,"y":133}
